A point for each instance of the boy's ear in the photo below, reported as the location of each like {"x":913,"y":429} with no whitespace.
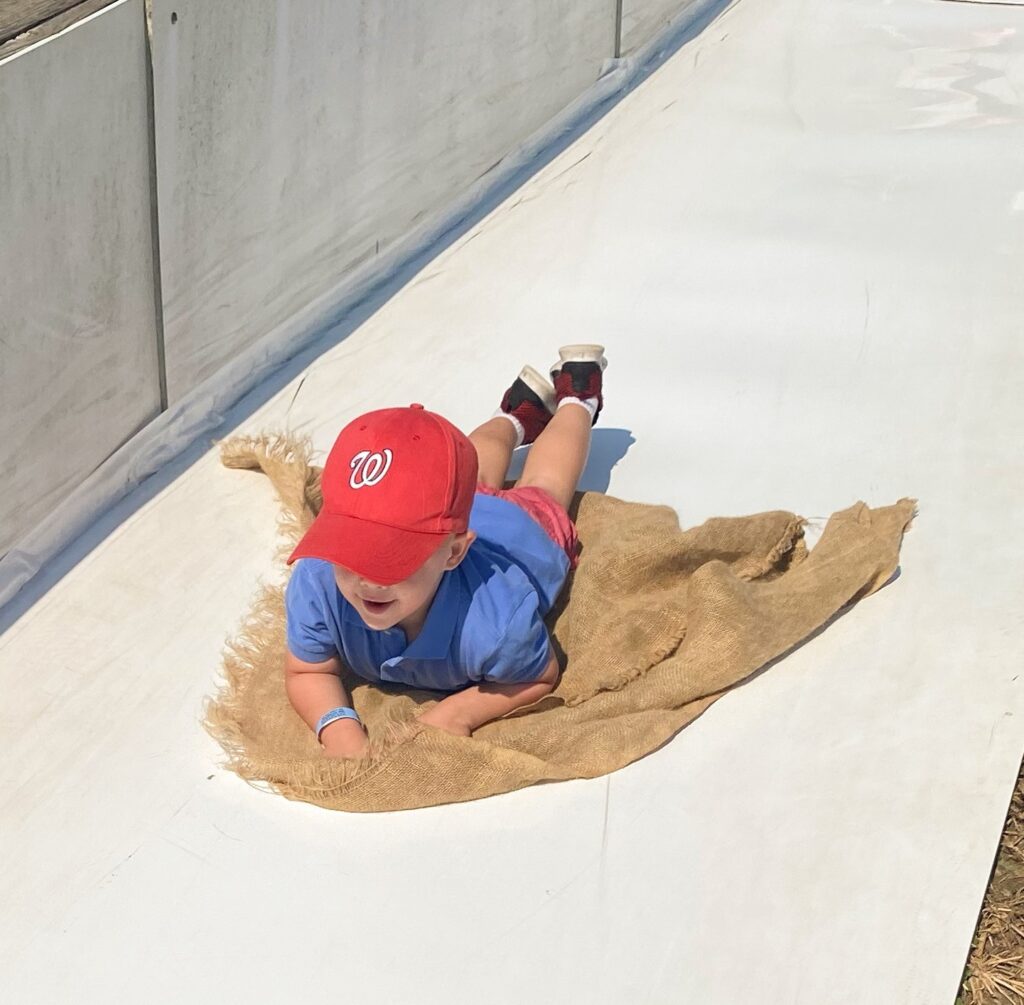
{"x":460,"y":548}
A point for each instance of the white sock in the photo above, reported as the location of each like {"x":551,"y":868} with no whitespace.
{"x":590,"y":404}
{"x":520,"y":432}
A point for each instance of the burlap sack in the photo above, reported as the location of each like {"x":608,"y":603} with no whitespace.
{"x":658,"y":624}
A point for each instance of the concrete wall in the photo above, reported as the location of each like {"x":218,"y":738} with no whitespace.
{"x":282,"y":143}
{"x":78,"y":341}
{"x":297,"y":139}
{"x":643,"y":19}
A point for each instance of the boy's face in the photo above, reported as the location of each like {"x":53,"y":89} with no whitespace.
{"x":406,"y":603}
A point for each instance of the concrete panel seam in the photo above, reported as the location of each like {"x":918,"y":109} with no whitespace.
{"x":154,"y":210}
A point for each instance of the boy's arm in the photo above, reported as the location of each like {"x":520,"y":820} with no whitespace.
{"x":464,"y":711}
{"x":316,"y":688}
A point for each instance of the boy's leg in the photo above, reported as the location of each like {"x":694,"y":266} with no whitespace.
{"x":559,"y":455}
{"x":557,"y":458}
{"x":525,"y":409}
{"x":494,"y":441}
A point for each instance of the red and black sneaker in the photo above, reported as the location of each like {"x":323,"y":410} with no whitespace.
{"x":578,"y":373}
{"x":530,"y":399}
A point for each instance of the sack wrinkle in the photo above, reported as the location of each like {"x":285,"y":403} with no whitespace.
{"x":658,"y":624}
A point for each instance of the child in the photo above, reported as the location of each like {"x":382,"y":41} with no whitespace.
{"x":420,"y":570}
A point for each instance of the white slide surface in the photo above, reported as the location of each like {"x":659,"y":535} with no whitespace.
{"x":800,"y":240}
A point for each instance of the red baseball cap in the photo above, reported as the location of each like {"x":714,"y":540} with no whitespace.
{"x":396,"y":483}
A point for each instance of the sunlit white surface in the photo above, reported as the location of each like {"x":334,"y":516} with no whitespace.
{"x":801,"y":242}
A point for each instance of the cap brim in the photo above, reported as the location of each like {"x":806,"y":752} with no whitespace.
{"x":380,"y":554}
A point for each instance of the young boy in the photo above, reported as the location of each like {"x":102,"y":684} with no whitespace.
{"x":420,"y":570}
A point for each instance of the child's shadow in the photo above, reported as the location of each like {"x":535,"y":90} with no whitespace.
{"x":607,"y":448}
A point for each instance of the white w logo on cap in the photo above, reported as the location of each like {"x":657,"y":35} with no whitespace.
{"x":369,"y":468}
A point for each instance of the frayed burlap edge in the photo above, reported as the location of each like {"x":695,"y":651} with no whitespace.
{"x":290,"y":777}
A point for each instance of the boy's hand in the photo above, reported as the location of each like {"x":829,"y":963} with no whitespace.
{"x":462,"y":712}
{"x":441,"y":718}
{"x":344,"y":738}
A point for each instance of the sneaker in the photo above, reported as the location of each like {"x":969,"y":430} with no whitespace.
{"x":578,"y":373}
{"x":531,"y":400}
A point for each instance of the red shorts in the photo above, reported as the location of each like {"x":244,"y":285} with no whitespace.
{"x":546,"y":511}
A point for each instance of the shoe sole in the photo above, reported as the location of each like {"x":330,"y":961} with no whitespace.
{"x":540,"y":386}
{"x":583,"y":352}
{"x":580,"y":352}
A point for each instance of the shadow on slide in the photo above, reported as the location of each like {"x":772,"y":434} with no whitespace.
{"x":607,"y":448}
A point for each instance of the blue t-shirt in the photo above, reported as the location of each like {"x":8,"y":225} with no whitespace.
{"x":485,"y":622}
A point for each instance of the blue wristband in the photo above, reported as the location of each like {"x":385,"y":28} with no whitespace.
{"x":333,"y":716}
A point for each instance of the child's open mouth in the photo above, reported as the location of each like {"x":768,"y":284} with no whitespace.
{"x":376,"y":606}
